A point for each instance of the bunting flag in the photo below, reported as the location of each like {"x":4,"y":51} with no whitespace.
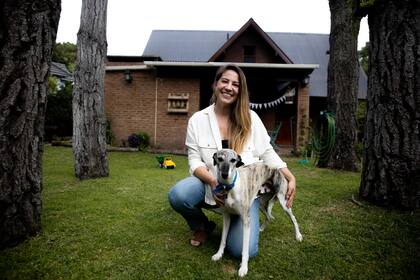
{"x":266,"y":105}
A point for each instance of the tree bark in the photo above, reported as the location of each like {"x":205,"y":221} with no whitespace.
{"x":89,"y":121}
{"x":27,"y":35}
{"x":343,"y":73}
{"x":391,"y":171}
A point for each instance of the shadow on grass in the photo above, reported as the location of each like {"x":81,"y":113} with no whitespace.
{"x":122,"y":227}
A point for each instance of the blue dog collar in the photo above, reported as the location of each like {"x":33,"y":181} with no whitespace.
{"x":222,"y":187}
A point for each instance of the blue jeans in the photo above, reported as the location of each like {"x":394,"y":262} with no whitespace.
{"x":187,"y":198}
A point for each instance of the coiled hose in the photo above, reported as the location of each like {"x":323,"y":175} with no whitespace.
{"x":323,"y":138}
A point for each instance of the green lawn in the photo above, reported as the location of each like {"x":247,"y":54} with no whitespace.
{"x":122,"y":227}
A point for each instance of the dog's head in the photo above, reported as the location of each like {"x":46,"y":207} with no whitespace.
{"x":226,"y":162}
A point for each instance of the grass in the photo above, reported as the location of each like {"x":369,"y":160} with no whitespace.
{"x":122,"y":227}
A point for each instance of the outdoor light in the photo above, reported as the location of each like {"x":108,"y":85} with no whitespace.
{"x":289,"y":95}
{"x":305,"y":80}
{"x":127,"y":76}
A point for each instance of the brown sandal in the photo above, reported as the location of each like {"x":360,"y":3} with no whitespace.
{"x":201,"y":235}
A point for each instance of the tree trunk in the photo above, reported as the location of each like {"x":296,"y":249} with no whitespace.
{"x":89,"y":121}
{"x":343,"y":73}
{"x":27,"y":35}
{"x":391,"y":171}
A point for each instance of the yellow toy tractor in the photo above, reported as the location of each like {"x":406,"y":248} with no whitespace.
{"x":166,"y":162}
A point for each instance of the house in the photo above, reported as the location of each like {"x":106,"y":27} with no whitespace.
{"x":158,"y":91}
{"x":62,"y":74}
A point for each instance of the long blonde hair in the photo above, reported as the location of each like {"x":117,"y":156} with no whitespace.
{"x":240,"y":116}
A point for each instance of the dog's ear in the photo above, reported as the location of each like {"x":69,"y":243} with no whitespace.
{"x":239,"y":162}
{"x":214,"y":158}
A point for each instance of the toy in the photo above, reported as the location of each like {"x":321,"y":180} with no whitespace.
{"x":166,"y":162}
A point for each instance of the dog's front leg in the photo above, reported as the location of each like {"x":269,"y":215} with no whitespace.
{"x":246,"y":220}
{"x":225,"y":230}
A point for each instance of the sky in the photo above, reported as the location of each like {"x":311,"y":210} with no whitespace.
{"x":130,"y":22}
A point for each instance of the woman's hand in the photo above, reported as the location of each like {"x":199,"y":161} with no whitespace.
{"x":290,"y":195}
{"x":291,"y":188}
{"x":204,"y":175}
{"x":219,"y":198}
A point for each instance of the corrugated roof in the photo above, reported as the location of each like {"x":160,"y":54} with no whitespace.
{"x":199,"y":46}
{"x":185,"y":45}
{"x":60,"y":70}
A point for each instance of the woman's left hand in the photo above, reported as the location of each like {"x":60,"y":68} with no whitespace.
{"x":291,"y":188}
{"x":290,"y":195}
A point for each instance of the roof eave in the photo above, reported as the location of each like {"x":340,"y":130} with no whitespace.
{"x":127,"y":67}
{"x":240,"y":64}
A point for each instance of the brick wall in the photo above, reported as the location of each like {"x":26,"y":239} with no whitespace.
{"x":172,"y":127}
{"x":302,"y":117}
{"x":132,"y":107}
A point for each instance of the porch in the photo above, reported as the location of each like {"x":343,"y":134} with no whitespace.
{"x":279,"y":93}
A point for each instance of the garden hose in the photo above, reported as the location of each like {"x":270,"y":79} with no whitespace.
{"x":323,"y":138}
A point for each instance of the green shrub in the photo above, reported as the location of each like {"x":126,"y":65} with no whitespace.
{"x":141,"y":140}
{"x":58,"y":115}
{"x":144,"y":140}
{"x":133,"y":141}
{"x":361,"y":120}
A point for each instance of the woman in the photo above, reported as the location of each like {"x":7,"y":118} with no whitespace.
{"x":228,"y":118}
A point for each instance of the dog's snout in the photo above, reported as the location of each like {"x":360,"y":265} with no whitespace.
{"x":225,"y":175}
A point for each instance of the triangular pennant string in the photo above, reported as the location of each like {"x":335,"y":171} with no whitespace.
{"x":266,"y":105}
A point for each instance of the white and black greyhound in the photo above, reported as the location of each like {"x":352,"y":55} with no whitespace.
{"x":241,"y":185}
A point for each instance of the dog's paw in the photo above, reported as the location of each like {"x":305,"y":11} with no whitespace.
{"x":216,"y":257}
{"x":243,"y":270}
{"x":299,"y":237}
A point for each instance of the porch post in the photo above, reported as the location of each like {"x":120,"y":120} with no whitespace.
{"x":302,"y":118}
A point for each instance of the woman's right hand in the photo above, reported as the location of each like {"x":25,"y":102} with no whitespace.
{"x":219,"y":198}
{"x":204,"y":175}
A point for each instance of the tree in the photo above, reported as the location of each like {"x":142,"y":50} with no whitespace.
{"x":89,"y":120}
{"x":28,"y":30}
{"x":58,"y":117}
{"x":391,"y":170}
{"x":65,"y":53}
{"x":361,"y":110}
{"x":364,"y":57}
{"x":343,"y":71}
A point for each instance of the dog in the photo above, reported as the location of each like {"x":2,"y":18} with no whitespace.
{"x":241,"y":185}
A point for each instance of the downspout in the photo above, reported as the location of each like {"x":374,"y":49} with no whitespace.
{"x":156,"y":104}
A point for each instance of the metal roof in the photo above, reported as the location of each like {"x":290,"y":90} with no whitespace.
{"x":199,"y":46}
{"x":60,"y":70}
{"x":185,"y":45}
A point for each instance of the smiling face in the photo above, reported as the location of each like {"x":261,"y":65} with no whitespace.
{"x":227,"y":88}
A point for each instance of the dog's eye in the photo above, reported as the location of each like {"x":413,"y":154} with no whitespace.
{"x":233,"y":160}
{"x":220,"y":159}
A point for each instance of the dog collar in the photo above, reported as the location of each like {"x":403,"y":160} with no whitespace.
{"x":223,"y":187}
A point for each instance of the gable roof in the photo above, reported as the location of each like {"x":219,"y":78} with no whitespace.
{"x":201,"y":46}
{"x":251,"y":24}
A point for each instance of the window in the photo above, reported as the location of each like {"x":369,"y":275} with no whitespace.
{"x":249,"y":54}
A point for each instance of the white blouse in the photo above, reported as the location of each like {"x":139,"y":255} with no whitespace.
{"x":203,"y":140}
